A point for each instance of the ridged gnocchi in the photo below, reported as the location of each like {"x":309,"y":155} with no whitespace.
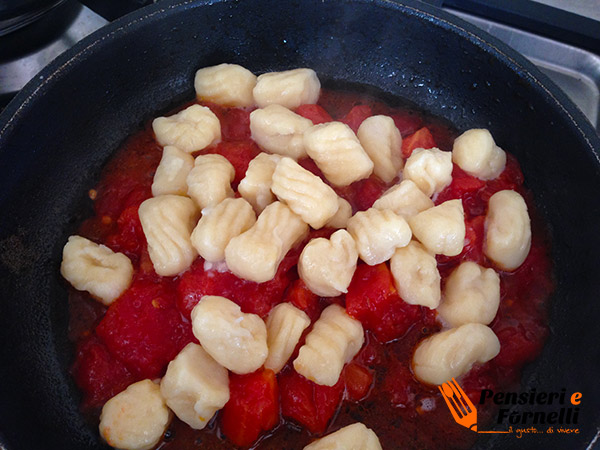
{"x":507,"y":230}
{"x":383,"y":143}
{"x":471,"y":295}
{"x":378,"y":233}
{"x":340,"y":218}
{"x":326,"y":265}
{"x":333,"y":341}
{"x":416,"y":275}
{"x":255,"y":187}
{"x":352,"y":437}
{"x":167,"y":222}
{"x":279,"y":130}
{"x":172,"y":171}
{"x":236,"y":340}
{"x":255,"y":254}
{"x":96,"y":269}
{"x":290,"y":88}
{"x":136,"y":418}
{"x":430,"y":170}
{"x":305,"y":193}
{"x":337,"y":152}
{"x":441,"y":229}
{"x":476,"y":153}
{"x":190,"y":130}
{"x":225,"y":84}
{"x":452,"y":353}
{"x":219,"y":224}
{"x":405,"y":199}
{"x":209,"y":182}
{"x":195,"y":386}
{"x":285,"y":325}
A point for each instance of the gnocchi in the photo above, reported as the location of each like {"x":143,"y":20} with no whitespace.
{"x":219,"y":224}
{"x":507,"y":230}
{"x":327,"y":265}
{"x":167,"y":222}
{"x":343,"y":214}
{"x":352,"y":437}
{"x":255,"y":187}
{"x":225,"y":84}
{"x":190,"y":130}
{"x":383,"y":143}
{"x":441,"y":229}
{"x":476,"y":153}
{"x":378,"y":233}
{"x":452,"y":353}
{"x":416,"y":275}
{"x":337,"y":152}
{"x":290,"y":88}
{"x":471,"y":295}
{"x":333,"y":341}
{"x":430,"y":170}
{"x":285,"y":325}
{"x":195,"y":386}
{"x":405,"y":199}
{"x":255,"y":254}
{"x":236,"y":340}
{"x":136,"y":418}
{"x":306,"y":194}
{"x":96,"y":269}
{"x":172,"y":171}
{"x":209,"y":182}
{"x":279,"y":130}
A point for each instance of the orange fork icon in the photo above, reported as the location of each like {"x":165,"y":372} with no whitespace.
{"x":459,"y":404}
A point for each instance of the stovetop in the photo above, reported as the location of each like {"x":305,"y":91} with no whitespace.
{"x":561,"y":37}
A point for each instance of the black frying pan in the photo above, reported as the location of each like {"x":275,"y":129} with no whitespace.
{"x":60,"y":130}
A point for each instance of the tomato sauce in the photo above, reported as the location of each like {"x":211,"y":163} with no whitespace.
{"x":137,"y":336}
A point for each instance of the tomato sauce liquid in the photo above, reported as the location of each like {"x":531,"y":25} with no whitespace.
{"x":149,"y":324}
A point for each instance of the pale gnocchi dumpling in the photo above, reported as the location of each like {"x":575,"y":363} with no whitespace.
{"x":305,"y":193}
{"x":476,"y":153}
{"x":383,"y":143}
{"x":441,"y":229}
{"x":190,"y":130}
{"x":333,"y":341}
{"x":378,"y":233}
{"x":279,"y":130}
{"x":236,"y":340}
{"x":416,"y":275}
{"x":471,"y":295}
{"x":405,"y":199}
{"x":507,"y":230}
{"x":96,"y":269}
{"x":327,"y":265}
{"x":255,"y":254}
{"x":255,"y":187}
{"x":337,"y":152}
{"x":352,"y":437}
{"x":452,"y":353}
{"x":167,"y":222}
{"x":341,"y":217}
{"x":290,"y":88}
{"x":225,"y":84}
{"x":219,"y":224}
{"x":430,"y":170}
{"x":172,"y":171}
{"x":209,"y":182}
{"x":285,"y":325}
{"x":195,"y":386}
{"x":136,"y":418}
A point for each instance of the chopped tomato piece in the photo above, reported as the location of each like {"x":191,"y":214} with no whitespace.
{"x":462,"y":183}
{"x":308,"y":403}
{"x":239,"y":154}
{"x":144,"y":329}
{"x":362,"y":193}
{"x":130,"y":238}
{"x":373,"y":299}
{"x":356,"y":116}
{"x":253,"y":406}
{"x":358,"y":381}
{"x":421,"y":138}
{"x":302,"y":298}
{"x":235,"y":125}
{"x":519,"y":344}
{"x":407,"y":122}
{"x":315,"y":113}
